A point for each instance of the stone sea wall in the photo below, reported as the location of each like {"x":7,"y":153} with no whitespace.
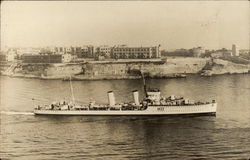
{"x":122,"y":70}
{"x":62,"y":71}
{"x":177,"y":66}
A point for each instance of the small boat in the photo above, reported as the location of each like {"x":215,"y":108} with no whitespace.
{"x":152,"y":104}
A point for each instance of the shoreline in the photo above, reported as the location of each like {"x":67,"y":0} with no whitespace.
{"x":86,"y":78}
{"x":116,"y":78}
{"x":173,"y":68}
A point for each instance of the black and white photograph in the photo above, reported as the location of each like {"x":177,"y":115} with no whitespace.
{"x":118,"y":80}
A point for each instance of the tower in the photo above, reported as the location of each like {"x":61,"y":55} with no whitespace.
{"x":235,"y":51}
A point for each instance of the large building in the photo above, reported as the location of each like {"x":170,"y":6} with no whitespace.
{"x":125,"y":52}
{"x":105,"y":51}
{"x":80,"y":52}
{"x":117,"y":52}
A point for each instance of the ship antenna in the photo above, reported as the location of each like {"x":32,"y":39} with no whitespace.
{"x":72,"y":91}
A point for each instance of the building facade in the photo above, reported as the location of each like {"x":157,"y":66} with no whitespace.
{"x":86,"y":52}
{"x":80,"y":52}
{"x":105,"y":51}
{"x":117,"y":52}
{"x":124,"y":52}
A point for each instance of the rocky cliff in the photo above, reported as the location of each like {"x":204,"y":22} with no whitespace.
{"x":218,"y":66}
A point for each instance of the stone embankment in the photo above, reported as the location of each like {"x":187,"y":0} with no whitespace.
{"x":169,"y":68}
{"x":218,"y":66}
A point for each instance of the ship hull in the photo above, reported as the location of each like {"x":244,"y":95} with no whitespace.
{"x":205,"y":109}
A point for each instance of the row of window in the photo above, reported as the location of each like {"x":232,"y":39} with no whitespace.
{"x":108,"y":49}
{"x":131,"y":49}
{"x":124,"y":56}
{"x":133,"y":54}
{"x":115,"y":49}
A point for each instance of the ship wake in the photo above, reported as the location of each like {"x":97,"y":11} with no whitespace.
{"x":16,"y":113}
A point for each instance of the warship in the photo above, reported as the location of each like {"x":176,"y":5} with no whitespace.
{"x":152,"y":104}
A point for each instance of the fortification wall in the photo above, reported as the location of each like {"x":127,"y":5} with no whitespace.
{"x":178,"y":65}
{"x":113,"y":70}
{"x":63,"y":70}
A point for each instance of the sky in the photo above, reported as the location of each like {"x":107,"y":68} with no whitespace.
{"x":173,"y":25}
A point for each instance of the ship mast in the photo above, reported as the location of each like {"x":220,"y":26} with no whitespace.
{"x":144,"y":84}
{"x":72,"y":91}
